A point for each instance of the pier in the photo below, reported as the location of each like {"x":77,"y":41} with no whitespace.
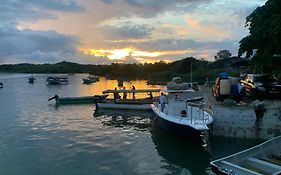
{"x":248,"y":119}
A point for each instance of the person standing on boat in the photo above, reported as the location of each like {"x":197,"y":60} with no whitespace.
{"x":133,"y":88}
{"x":116,"y":95}
{"x":124,"y":93}
{"x":162,"y":100}
{"x":150,"y":96}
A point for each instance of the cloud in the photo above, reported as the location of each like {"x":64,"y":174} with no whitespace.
{"x":50,"y":31}
{"x":207,"y":30}
{"x":151,"y":8}
{"x":33,"y":10}
{"x":30,"y":45}
{"x":127,"y":30}
{"x":165,"y":49}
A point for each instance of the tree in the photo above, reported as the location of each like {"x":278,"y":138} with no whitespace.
{"x":222,"y":54}
{"x":265,"y":35}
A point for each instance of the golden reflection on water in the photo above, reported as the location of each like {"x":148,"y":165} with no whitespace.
{"x":103,"y":84}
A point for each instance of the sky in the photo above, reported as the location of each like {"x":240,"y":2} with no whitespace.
{"x":125,"y":31}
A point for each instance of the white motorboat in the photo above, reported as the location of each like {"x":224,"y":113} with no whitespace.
{"x":184,"y":111}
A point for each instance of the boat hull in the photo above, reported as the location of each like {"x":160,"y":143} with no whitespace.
{"x":88,"y":81}
{"x":57,"y":81}
{"x":180,"y":130}
{"x":130,"y":106}
{"x":180,"y":125}
{"x":89,"y":100}
{"x":79,"y":100}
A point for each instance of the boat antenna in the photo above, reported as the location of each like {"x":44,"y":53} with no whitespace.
{"x":191,"y":71}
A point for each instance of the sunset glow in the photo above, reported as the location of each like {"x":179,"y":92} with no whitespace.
{"x":140,"y":56}
{"x":102,"y":32}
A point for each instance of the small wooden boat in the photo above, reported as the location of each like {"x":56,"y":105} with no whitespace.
{"x":57,"y":81}
{"x":78,"y":100}
{"x":128,"y":103}
{"x":264,"y":158}
{"x":1,"y":85}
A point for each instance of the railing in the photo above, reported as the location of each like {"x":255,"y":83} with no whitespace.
{"x":202,"y":110}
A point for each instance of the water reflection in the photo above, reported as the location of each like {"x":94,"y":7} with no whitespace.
{"x":36,"y":134}
{"x":103,"y":84}
{"x":180,"y":152}
{"x":179,"y":156}
{"x":137,"y":120}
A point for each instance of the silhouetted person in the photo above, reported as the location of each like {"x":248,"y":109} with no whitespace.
{"x":133,"y":88}
{"x":124,"y":93}
{"x":162,"y":100}
{"x":150,"y":96}
{"x":116,"y":95}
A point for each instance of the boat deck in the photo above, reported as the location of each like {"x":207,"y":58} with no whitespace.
{"x":261,"y":159}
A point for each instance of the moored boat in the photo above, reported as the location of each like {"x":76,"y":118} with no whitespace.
{"x":183,"y":111}
{"x":31,"y":79}
{"x":57,"y":81}
{"x":1,"y":85}
{"x":264,"y":158}
{"x":128,"y":103}
{"x":90,"y":79}
{"x":78,"y":100}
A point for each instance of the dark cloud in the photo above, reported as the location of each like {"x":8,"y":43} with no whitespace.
{"x":151,"y":8}
{"x":107,"y":1}
{"x":127,"y":31}
{"x":161,"y":5}
{"x":30,"y":45}
{"x":17,"y":10}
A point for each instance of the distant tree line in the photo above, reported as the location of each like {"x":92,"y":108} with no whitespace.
{"x":159,"y":72}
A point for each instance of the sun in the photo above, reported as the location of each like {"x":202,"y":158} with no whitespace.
{"x":119,"y":53}
{"x":113,"y":54}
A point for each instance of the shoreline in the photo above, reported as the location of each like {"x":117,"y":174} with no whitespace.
{"x":244,"y":119}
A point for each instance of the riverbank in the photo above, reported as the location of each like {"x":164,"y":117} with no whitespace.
{"x":247,"y":119}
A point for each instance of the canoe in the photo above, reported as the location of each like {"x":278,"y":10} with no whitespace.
{"x":78,"y":100}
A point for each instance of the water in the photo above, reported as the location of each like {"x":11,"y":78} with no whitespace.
{"x":39,"y":137}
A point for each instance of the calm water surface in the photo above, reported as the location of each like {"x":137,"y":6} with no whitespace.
{"x":39,"y":137}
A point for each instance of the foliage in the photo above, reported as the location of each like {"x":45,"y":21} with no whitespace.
{"x":222,"y":54}
{"x":158,"y":73}
{"x":265,"y":36}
